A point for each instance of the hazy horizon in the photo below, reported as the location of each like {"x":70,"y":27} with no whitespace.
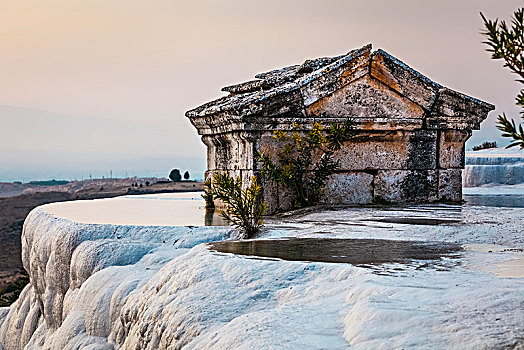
{"x":68,"y":154}
{"x":93,"y":86}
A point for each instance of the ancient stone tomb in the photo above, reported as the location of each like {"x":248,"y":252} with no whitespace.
{"x":411,"y":130}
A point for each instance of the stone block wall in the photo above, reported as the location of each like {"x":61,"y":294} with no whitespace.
{"x":393,"y":166}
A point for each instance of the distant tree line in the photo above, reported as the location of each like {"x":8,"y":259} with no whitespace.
{"x":52,"y":182}
{"x":485,"y":145}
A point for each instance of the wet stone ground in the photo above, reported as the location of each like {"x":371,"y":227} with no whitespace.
{"x":358,"y":252}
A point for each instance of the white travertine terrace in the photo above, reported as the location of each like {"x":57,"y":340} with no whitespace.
{"x":170,"y":209}
{"x":494,"y":166}
{"x":105,"y":286}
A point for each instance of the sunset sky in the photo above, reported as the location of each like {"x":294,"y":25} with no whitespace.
{"x":98,"y":85}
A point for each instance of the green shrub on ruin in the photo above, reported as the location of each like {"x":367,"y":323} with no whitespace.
{"x":208,"y":194}
{"x":306,"y":162}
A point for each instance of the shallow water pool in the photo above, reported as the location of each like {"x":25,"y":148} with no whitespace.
{"x":166,"y":209}
{"x":339,"y":250}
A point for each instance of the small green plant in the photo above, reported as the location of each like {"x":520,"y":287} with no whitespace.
{"x":244,"y":208}
{"x":186,"y":175}
{"x":507,"y":43}
{"x":306,"y":161}
{"x":208,"y":194}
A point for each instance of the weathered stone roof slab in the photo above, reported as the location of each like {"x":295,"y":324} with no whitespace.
{"x":284,"y":80}
{"x":290,"y":91}
{"x":328,"y":79}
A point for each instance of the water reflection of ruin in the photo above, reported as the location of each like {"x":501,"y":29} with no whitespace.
{"x":412,"y":131}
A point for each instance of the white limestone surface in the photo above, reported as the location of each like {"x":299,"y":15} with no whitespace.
{"x":104,"y":286}
{"x":82,"y":273}
{"x":494,"y":166}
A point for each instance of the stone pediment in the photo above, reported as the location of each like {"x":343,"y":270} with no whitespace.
{"x":374,"y":88}
{"x":370,"y":104}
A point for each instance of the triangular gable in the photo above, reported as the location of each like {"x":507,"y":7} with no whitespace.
{"x":297,"y":91}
